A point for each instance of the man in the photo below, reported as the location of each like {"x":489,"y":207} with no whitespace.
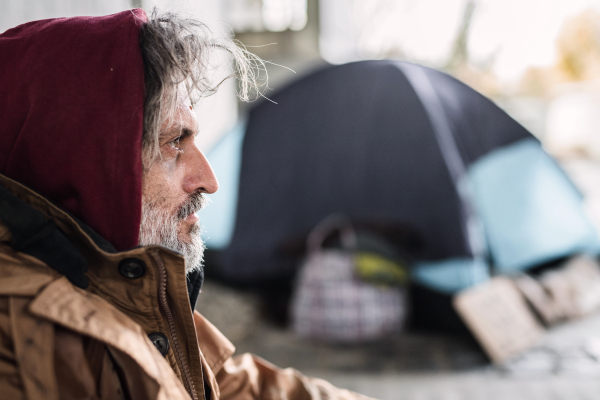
{"x":99,"y":242}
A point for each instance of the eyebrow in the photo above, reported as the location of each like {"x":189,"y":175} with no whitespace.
{"x":178,"y":133}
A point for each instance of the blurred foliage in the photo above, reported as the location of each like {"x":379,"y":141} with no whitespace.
{"x":578,"y":47}
{"x":578,"y":54}
{"x":578,"y":58}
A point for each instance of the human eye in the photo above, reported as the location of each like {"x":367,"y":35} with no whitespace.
{"x":176,"y":144}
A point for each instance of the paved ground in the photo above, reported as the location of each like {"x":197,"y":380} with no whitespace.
{"x":565,"y":364}
{"x":482,"y":385}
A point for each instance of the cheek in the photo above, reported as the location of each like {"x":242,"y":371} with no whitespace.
{"x":160,"y":184}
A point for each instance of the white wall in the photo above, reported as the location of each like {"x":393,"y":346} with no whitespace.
{"x":337,"y":35}
{"x":16,"y":12}
{"x":573,"y":122}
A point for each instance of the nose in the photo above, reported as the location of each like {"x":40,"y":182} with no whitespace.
{"x":200,"y":176}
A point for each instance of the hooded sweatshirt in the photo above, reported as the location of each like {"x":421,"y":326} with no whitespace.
{"x":72,"y":100}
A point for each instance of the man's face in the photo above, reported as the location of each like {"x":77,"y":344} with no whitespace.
{"x":173,"y":188}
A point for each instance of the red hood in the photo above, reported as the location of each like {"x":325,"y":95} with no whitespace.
{"x":71,"y":101}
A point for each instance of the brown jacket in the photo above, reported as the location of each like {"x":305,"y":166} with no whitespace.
{"x":59,"y":341}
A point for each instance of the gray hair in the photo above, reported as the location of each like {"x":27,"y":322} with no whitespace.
{"x":177,"y":52}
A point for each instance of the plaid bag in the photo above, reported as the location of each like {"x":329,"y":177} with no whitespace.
{"x":331,"y":303}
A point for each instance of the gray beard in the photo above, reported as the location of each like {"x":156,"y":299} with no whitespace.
{"x":161,"y":227}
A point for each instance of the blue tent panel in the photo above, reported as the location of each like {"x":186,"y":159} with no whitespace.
{"x":531,"y":213}
{"x":451,"y":275}
{"x":530,"y":210}
{"x":218,"y":219}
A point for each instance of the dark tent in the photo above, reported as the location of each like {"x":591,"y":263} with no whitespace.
{"x":357,"y":139}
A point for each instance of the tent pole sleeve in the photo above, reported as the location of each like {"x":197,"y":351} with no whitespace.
{"x":446,"y":140}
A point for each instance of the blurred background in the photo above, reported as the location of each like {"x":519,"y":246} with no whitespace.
{"x":531,"y":205}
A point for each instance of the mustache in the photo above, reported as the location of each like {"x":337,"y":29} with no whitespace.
{"x":194,"y":203}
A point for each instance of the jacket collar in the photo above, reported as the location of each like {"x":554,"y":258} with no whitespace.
{"x":66,"y":244}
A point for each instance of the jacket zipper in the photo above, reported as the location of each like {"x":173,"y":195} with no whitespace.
{"x":162,"y":298}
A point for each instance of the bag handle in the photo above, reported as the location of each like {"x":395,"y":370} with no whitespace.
{"x":325,"y":227}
